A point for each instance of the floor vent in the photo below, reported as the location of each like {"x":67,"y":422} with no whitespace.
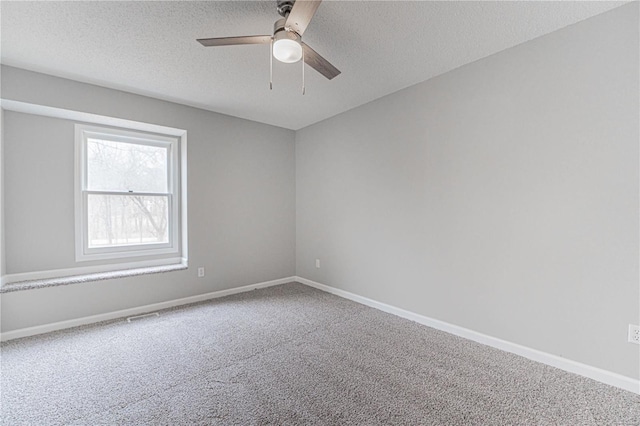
{"x":139,"y":317}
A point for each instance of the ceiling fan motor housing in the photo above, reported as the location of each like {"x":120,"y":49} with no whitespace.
{"x":279,"y":28}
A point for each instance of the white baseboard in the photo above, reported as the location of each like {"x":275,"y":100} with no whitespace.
{"x":603,"y":376}
{"x":46,"y":328}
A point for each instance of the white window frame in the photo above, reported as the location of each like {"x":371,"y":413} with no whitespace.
{"x":170,"y":249}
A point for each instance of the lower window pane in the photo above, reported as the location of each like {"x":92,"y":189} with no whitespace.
{"x":125,"y":220}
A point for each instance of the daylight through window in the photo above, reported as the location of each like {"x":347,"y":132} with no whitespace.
{"x":127,"y":198}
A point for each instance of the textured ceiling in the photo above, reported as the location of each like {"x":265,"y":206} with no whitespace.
{"x":149,"y":47}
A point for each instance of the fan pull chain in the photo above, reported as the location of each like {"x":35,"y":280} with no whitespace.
{"x":302,"y":71}
{"x":271,"y":66}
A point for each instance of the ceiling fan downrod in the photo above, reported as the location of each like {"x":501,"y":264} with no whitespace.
{"x":284,"y":7}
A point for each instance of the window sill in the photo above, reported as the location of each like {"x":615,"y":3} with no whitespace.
{"x":85,"y":278}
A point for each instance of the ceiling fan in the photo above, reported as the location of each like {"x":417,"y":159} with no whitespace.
{"x":286,"y":42}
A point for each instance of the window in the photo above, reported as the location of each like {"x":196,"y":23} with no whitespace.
{"x":127,"y":197}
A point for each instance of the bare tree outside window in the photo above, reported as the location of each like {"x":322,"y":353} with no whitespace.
{"x":128,"y":200}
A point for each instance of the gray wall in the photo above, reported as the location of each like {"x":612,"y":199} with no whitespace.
{"x":501,"y":197}
{"x":2,"y":261}
{"x":241,"y":200}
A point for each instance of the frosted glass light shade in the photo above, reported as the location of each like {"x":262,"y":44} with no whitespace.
{"x":287,"y":50}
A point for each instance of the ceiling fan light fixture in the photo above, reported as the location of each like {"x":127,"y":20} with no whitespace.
{"x":287,"y":47}
{"x":287,"y":50}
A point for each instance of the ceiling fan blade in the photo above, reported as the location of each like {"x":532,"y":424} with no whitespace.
{"x":231,"y":41}
{"x":318,"y":63}
{"x":301,"y":14}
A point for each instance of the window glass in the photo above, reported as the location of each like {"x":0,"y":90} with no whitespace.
{"x":121,"y":220}
{"x":126,"y":167}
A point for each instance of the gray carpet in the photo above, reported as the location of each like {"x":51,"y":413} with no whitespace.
{"x":288,"y":355}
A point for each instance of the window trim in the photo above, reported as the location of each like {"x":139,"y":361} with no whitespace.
{"x":85,"y":253}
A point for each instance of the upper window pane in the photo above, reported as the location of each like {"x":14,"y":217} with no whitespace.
{"x":122,"y":166}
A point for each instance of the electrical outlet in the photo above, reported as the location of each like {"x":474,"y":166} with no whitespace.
{"x":317,"y":263}
{"x":634,"y":334}
{"x":200,"y":272}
